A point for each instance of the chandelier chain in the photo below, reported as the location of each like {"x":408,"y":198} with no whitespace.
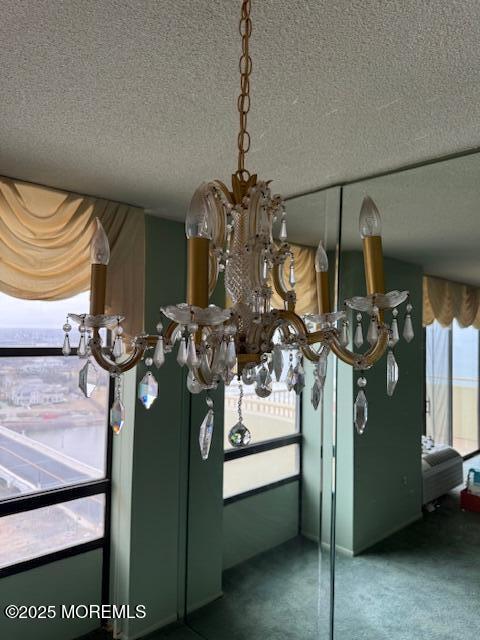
{"x":243,"y":102}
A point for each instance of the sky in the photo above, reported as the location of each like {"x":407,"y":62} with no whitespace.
{"x":17,"y":313}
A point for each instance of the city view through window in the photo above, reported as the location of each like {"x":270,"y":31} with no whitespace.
{"x":51,"y":436}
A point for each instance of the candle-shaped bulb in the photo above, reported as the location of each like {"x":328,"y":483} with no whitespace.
{"x":198,"y":223}
{"x":99,"y":247}
{"x":369,"y":222}
{"x":321,"y":259}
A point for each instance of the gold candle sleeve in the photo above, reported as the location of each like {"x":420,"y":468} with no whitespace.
{"x":197,"y":273}
{"x":98,"y":284}
{"x":323,"y":292}
{"x":373,"y":260}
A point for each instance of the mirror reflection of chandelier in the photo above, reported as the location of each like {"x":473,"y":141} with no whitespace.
{"x":232,"y":231}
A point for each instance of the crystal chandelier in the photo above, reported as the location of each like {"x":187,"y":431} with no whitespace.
{"x":232,"y":231}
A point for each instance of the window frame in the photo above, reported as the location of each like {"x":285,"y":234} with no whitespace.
{"x":472,"y":454}
{"x":50,"y":497}
{"x":269,"y":445}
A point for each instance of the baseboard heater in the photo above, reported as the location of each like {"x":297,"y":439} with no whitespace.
{"x":442,"y":471}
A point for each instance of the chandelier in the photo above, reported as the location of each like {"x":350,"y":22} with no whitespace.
{"x":242,"y":232}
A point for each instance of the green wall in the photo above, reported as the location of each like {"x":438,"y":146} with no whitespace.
{"x":260,"y":522}
{"x":379,"y":472}
{"x":75,"y":580}
{"x":153,"y":496}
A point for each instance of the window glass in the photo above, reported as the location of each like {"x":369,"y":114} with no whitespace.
{"x":438,"y":383}
{"x":50,"y":434}
{"x":260,"y":469}
{"x":35,"y":533}
{"x":465,"y":379}
{"x":37,"y":323}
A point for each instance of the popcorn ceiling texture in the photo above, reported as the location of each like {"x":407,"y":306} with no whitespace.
{"x":134,"y":100}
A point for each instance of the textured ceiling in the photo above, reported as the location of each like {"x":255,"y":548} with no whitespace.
{"x":134,"y":99}
{"x":430,"y":216}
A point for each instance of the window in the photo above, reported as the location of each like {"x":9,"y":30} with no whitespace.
{"x":54,"y":442}
{"x":452,"y":386}
{"x":273,"y":454}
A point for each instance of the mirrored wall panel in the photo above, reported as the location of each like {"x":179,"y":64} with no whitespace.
{"x":256,"y":507}
{"x":408,"y":529}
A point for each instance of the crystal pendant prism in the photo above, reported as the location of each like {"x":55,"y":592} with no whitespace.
{"x":277,"y":360}
{"x":182,"y":352}
{"x":82,"y":347}
{"x":192,"y":359}
{"x":290,"y":379}
{"x":283,"y":230}
{"x":88,"y":378}
{"x":394,"y":335}
{"x":408,"y":334}
{"x":291,"y":277}
{"x":117,"y":416}
{"x":239,"y":435}
{"x":392,"y":373}
{"x":159,"y":353}
{"x":299,"y":380}
{"x":358,"y":337}
{"x":147,"y":390}
{"x":231,"y":358}
{"x":118,"y":347}
{"x":249,"y":375}
{"x":66,"y":349}
{"x":360,"y":412}
{"x":316,"y":394}
{"x":372,"y":335}
{"x":205,"y":435}
{"x":263,"y":387}
{"x":344,"y":338}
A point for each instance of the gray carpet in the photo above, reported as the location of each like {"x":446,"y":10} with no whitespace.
{"x":422,"y":583}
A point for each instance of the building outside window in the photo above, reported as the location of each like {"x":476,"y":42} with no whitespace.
{"x":54,"y":442}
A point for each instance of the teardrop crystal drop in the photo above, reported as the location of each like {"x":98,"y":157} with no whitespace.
{"x":88,"y":378}
{"x":231,"y":358}
{"x":283,"y":230}
{"x":182,"y":352}
{"x":392,"y":373}
{"x":265,"y":270}
{"x":408,"y":334}
{"x":192,"y":359}
{"x":263,"y":387}
{"x":159,"y":353}
{"x":205,"y":435}
{"x":360,"y":412}
{"x":290,"y":379}
{"x":344,"y":337}
{"x":394,"y":336}
{"x":66,"y":349}
{"x":147,"y":390}
{"x":358,"y":338}
{"x":321,"y":369}
{"x":239,"y":435}
{"x":277,"y":360}
{"x":249,"y":375}
{"x":117,"y":416}
{"x":118,"y":347}
{"x":82,"y":347}
{"x":372,"y":335}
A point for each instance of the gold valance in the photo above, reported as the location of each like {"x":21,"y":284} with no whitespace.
{"x":44,"y":247}
{"x":444,"y":300}
{"x":306,"y":284}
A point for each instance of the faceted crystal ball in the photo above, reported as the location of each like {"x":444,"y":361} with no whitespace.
{"x":239,"y":435}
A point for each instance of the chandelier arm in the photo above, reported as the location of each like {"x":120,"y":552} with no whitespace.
{"x":361,"y":360}
{"x":287,"y":295}
{"x":112,"y":367}
{"x":287,"y":317}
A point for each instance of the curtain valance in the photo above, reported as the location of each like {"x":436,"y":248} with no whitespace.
{"x":306,"y":284}
{"x":444,"y":300}
{"x":45,"y":247}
